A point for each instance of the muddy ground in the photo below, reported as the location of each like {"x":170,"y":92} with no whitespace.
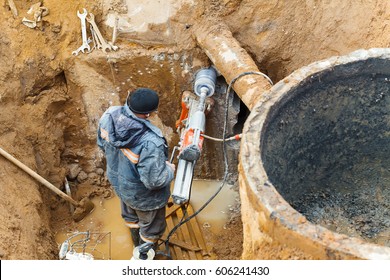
{"x":50,"y":100}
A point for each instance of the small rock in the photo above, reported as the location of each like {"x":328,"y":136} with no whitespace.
{"x":99,"y":171}
{"x":82,"y":177}
{"x":74,"y":170}
{"x":94,"y":177}
{"x":80,"y":153}
{"x":69,"y":153}
{"x":206,"y":225}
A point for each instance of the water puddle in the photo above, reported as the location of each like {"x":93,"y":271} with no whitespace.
{"x":216,"y":214}
{"x":105,"y":220}
{"x":109,"y":238}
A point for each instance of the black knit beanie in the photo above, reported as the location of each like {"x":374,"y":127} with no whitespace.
{"x":143,"y":101}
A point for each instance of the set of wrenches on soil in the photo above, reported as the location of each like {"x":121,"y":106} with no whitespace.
{"x":97,"y":39}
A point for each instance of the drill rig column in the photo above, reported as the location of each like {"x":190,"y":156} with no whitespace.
{"x":191,"y":139}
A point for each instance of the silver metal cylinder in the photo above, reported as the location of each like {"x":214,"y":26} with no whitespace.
{"x":206,"y":79}
{"x":198,"y":121}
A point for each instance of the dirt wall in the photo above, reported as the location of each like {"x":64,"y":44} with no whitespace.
{"x":283,"y":36}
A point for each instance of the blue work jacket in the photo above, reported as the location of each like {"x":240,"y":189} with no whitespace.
{"x":135,"y":152}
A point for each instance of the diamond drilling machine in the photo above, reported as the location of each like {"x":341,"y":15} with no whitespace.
{"x":191,"y":127}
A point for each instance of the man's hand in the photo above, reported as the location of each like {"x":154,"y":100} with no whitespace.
{"x":171,"y":165}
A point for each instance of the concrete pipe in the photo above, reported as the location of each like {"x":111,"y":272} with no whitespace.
{"x":314,"y":162}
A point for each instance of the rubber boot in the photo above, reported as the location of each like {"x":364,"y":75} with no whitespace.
{"x":135,"y":236}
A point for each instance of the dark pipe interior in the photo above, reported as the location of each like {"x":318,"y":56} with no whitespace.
{"x":326,"y":149}
{"x":241,"y":117}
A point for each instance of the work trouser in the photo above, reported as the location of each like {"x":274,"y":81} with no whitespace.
{"x":152,"y":224}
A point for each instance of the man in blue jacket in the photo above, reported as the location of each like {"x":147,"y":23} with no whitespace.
{"x":137,"y":167}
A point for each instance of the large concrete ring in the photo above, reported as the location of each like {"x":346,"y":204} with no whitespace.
{"x":268,"y":218}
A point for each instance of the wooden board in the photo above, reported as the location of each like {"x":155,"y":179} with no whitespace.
{"x":187,"y":242}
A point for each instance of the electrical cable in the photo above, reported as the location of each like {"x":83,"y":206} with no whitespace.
{"x":235,"y":137}
{"x":226,"y":164}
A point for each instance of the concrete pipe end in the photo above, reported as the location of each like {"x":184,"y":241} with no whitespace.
{"x":314,"y":167}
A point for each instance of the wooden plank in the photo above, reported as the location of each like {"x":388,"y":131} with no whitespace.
{"x":199,"y":254}
{"x":179,"y":233}
{"x":186,"y":232}
{"x":181,"y":244}
{"x":171,"y":210}
{"x":187,"y":242}
{"x":191,"y":225}
{"x":191,"y":231}
{"x":176,"y":249}
{"x":197,"y":232}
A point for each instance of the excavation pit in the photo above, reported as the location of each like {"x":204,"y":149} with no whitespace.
{"x":319,"y":166}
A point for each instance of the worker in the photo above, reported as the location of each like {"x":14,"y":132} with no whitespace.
{"x":137,"y":167}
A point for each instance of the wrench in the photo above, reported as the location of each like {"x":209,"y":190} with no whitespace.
{"x":93,"y":38}
{"x":104,"y":44}
{"x":114,"y":35}
{"x":115,"y":30}
{"x":85,"y":44}
{"x":96,"y":39}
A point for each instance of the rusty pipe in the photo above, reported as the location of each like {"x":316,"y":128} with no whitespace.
{"x":231,"y":60}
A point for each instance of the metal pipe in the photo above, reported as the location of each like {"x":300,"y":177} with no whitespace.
{"x":202,"y":99}
{"x":231,"y":60}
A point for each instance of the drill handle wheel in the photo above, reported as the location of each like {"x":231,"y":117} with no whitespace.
{"x":176,"y":148}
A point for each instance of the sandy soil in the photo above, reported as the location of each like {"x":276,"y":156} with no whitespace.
{"x":50,"y":101}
